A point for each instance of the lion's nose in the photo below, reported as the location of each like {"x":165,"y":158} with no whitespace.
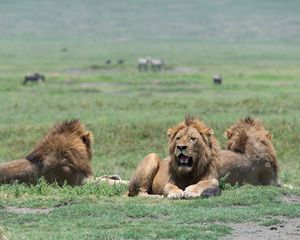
{"x":181,"y":147}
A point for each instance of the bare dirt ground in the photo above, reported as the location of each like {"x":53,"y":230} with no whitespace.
{"x":294,"y":199}
{"x":37,"y":210}
{"x":288,"y":228}
{"x":185,"y":70}
{"x":28,"y":210}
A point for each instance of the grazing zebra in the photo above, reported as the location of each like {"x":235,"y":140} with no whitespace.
{"x":36,"y":77}
{"x":217,"y":79}
{"x":143,"y":63}
{"x":156,"y":64}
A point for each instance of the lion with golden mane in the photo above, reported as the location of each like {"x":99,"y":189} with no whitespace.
{"x":251,"y":157}
{"x":63,"y":155}
{"x":191,"y":169}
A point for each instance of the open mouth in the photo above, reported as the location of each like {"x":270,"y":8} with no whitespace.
{"x":185,"y":161}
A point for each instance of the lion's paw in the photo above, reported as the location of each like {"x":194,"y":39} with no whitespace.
{"x":176,"y":195}
{"x":190,"y":192}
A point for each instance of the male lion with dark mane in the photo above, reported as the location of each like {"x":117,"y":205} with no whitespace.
{"x":251,"y":157}
{"x":191,"y":170}
{"x":63,"y":155}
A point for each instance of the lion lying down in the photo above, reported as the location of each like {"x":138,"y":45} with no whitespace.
{"x":251,"y":157}
{"x":191,"y":169}
{"x":63,"y":155}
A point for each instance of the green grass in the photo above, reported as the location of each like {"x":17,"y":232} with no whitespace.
{"x":253,"y":45}
{"x":129,"y":113}
{"x":91,"y":212}
{"x":112,"y":104}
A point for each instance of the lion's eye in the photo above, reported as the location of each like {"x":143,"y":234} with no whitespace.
{"x":192,"y":139}
{"x":178,"y":138}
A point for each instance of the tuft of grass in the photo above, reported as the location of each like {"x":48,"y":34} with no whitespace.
{"x":270,"y":222}
{"x":226,"y":186}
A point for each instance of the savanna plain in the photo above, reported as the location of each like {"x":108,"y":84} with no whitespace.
{"x":129,"y":111}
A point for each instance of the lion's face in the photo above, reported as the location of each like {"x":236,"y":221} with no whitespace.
{"x":72,"y":160}
{"x":64,"y":154}
{"x":189,"y":149}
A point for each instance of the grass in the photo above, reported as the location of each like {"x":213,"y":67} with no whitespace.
{"x":91,"y":212}
{"x":129,"y":112}
{"x":110,"y":104}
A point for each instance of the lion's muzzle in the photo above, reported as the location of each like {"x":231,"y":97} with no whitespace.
{"x":185,"y":161}
{"x":181,"y":147}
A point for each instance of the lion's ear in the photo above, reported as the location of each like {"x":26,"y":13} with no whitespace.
{"x":228,"y":133}
{"x":87,"y":138}
{"x":170,"y":133}
{"x":269,"y":135}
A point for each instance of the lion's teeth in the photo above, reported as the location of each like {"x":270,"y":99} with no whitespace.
{"x":184,"y":159}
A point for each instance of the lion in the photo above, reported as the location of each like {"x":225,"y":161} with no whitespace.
{"x":191,"y":170}
{"x":250,"y":156}
{"x":62,"y":156}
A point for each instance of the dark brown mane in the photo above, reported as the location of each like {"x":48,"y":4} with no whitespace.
{"x":68,"y":140}
{"x":73,"y":126}
{"x":249,"y":120}
{"x":62,"y":156}
{"x":188,"y":120}
{"x":257,"y":124}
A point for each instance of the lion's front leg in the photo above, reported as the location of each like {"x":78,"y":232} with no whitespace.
{"x":142,"y":179}
{"x":204,"y":188}
{"x":173,"y":192}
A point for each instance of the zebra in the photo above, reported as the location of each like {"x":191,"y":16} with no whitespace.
{"x":156,"y":64}
{"x":143,"y":63}
{"x":217,"y":79}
